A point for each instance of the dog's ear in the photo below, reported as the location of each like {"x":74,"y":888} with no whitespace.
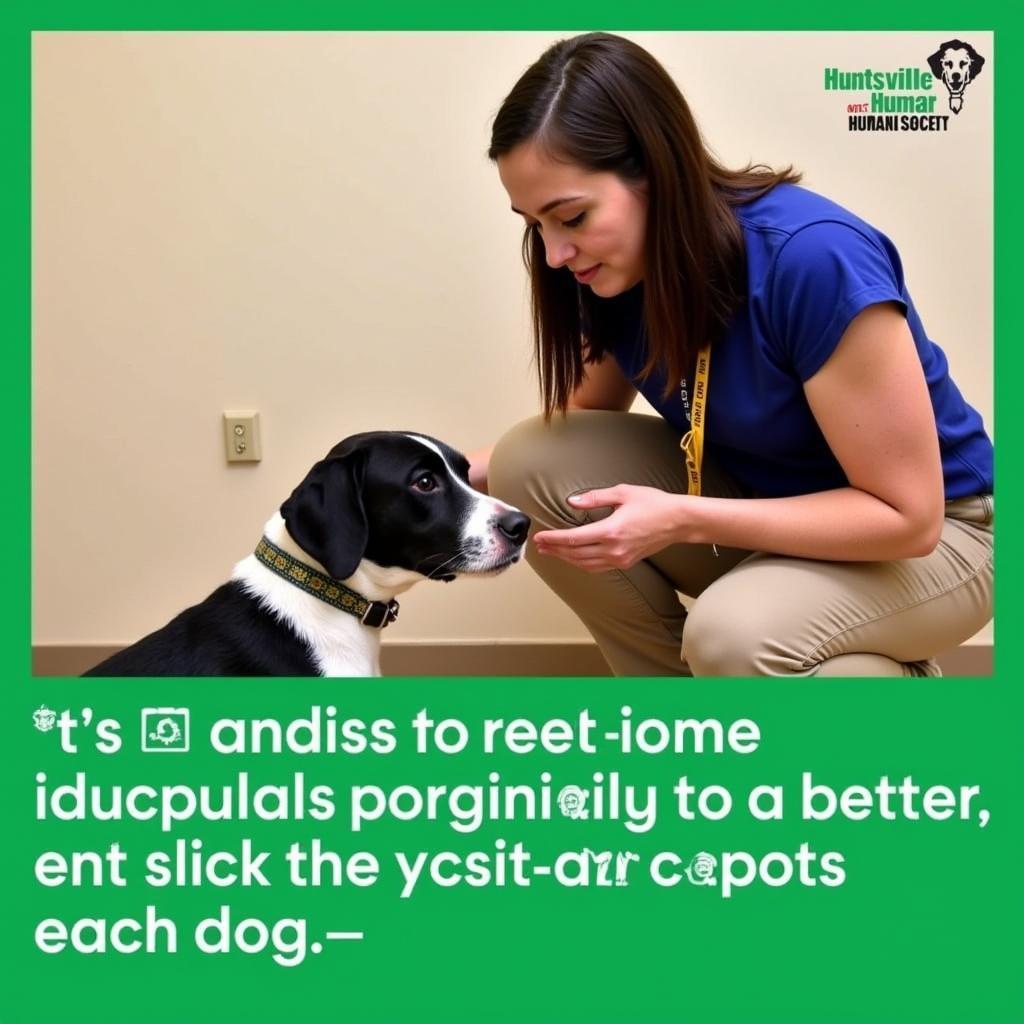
{"x":977,"y":61}
{"x":325,"y":514}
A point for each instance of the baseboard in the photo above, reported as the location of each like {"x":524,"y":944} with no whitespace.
{"x":478,"y":658}
{"x":69,"y":659}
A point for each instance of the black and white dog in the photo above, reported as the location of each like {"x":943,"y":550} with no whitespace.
{"x":956,"y":64}
{"x":381,"y":512}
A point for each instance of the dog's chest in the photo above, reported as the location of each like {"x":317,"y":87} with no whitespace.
{"x":338,"y":643}
{"x":356,"y":656}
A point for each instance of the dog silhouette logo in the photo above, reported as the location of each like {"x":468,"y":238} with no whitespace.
{"x":957,"y":64}
{"x":701,"y":869}
{"x":44,"y":718}
{"x":572,"y":802}
{"x":165,"y":730}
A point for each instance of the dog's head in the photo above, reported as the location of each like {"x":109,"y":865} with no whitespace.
{"x":401,"y":500}
{"x":956,"y":63}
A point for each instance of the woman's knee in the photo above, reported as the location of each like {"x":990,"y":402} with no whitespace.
{"x":529,"y":468}
{"x":511,"y":459}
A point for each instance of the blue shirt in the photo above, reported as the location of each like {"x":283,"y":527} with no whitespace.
{"x":811,"y":268}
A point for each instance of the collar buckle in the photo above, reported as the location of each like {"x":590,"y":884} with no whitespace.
{"x":379,"y":614}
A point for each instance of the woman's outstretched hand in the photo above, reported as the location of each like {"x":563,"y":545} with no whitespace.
{"x":645,"y":520}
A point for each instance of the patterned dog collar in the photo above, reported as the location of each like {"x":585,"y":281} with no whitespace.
{"x":375,"y":614}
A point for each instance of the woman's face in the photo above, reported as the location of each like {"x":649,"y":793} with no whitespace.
{"x":592,"y":224}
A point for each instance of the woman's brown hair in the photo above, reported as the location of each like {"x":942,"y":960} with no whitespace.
{"x":605,"y":104}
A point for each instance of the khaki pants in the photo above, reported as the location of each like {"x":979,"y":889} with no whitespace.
{"x":751,"y":613}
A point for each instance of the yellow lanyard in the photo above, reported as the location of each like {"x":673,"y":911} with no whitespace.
{"x":693,"y":443}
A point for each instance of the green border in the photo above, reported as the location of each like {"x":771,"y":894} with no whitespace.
{"x":997,"y":706}
{"x":527,"y":15}
{"x":21,"y":18}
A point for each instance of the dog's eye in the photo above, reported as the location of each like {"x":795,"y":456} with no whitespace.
{"x":425,"y":483}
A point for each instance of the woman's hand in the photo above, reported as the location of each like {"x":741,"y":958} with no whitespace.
{"x":644,"y":521}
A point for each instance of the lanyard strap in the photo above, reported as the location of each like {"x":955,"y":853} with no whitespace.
{"x":693,"y":443}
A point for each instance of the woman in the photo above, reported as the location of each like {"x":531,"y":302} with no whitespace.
{"x":831,"y":513}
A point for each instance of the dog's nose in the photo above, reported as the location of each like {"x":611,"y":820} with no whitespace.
{"x":515,"y":526}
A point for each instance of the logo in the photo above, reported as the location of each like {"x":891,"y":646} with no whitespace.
{"x":701,"y":870}
{"x":956,"y":64}
{"x":165,"y":730}
{"x":44,"y":718}
{"x":572,"y":802}
{"x":907,"y":99}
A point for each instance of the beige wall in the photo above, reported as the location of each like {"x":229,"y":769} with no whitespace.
{"x":306,"y":224}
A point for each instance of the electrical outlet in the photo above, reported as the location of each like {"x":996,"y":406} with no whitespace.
{"x":242,"y":436}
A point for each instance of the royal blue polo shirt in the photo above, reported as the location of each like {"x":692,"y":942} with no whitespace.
{"x":811,"y":268}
